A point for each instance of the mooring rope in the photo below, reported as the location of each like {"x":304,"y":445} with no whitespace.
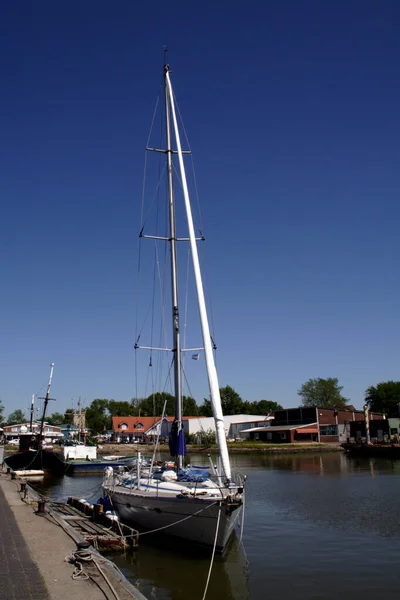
{"x":79,"y":558}
{"x":213,"y":553}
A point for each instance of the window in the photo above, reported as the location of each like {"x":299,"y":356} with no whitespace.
{"x":269,"y":435}
{"x":283,"y":435}
{"x":139,"y":426}
{"x":123,"y":426}
{"x":328,"y":429}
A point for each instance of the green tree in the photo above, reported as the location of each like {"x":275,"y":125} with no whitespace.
{"x":323,"y":393}
{"x":231,"y":401}
{"x":232,"y":404}
{"x":153,"y":405}
{"x":16,"y":417}
{"x":190,"y":408}
{"x":1,"y":411}
{"x":264,"y":407}
{"x":205,"y":409}
{"x":97,"y":416}
{"x":119,"y":408}
{"x":55,"y":419}
{"x":68,"y":416}
{"x":384,"y":398}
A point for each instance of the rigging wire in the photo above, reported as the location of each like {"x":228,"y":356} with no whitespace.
{"x":144,"y":219}
{"x":186,"y":310}
{"x":163,"y":328}
{"x":145,"y":160}
{"x":192,"y":161}
{"x":200,"y":217}
{"x":157,"y":195}
{"x":139,"y":241}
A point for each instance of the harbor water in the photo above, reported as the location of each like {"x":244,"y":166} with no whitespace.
{"x":316,"y":526}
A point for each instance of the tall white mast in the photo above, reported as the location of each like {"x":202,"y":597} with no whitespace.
{"x":208,"y":353}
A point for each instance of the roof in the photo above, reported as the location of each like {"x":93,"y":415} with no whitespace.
{"x":307,"y":430}
{"x":27,"y":425}
{"x":349,"y":408}
{"x":260,"y":419}
{"x":281,"y":428}
{"x":131,"y":422}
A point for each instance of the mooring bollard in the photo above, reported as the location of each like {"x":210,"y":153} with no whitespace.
{"x":23,"y":487}
{"x":97,"y":511}
{"x":83,"y":545}
{"x":13,"y":475}
{"x":8,"y":470}
{"x":41,"y":507}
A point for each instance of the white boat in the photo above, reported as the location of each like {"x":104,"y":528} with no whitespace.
{"x":195,"y":506}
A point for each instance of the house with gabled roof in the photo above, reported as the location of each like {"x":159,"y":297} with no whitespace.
{"x":132,"y":429}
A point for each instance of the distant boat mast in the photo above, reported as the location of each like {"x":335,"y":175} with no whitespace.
{"x":32,"y":413}
{"x":46,"y":401}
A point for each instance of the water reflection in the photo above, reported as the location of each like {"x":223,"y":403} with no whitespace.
{"x":329,"y":463}
{"x":161,"y":572}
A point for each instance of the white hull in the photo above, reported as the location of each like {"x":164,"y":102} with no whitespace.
{"x":191,"y":519}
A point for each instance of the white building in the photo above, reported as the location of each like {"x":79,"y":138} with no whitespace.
{"x":14,"y":431}
{"x":234,"y":424}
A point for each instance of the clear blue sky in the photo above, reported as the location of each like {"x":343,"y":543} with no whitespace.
{"x":292,"y":107}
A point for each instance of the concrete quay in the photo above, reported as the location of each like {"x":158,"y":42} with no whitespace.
{"x":33,"y":550}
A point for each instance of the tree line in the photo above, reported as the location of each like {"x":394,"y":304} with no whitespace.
{"x":327,"y":393}
{"x":324,"y":393}
{"x":99,"y":413}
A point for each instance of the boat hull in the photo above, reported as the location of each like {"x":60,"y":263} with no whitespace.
{"x":189,"y":519}
{"x":45,"y":460}
{"x":73,"y":467}
{"x":373,"y":450}
{"x":54,"y":462}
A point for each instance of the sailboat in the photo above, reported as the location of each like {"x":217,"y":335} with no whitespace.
{"x":198,"y":506}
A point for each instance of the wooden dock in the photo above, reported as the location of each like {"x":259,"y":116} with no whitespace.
{"x":98,"y":529}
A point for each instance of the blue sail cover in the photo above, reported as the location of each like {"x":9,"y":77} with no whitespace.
{"x":177,"y":441}
{"x":198,"y":474}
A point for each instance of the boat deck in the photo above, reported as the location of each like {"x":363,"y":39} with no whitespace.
{"x":102,"y":532}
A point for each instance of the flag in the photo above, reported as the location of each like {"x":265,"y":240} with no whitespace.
{"x":195,"y":356}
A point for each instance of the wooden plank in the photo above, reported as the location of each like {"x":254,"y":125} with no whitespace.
{"x":92,"y":528}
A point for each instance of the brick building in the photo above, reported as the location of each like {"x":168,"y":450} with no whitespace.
{"x":309,"y":424}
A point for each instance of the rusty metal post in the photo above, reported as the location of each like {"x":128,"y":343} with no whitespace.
{"x":97,"y":511}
